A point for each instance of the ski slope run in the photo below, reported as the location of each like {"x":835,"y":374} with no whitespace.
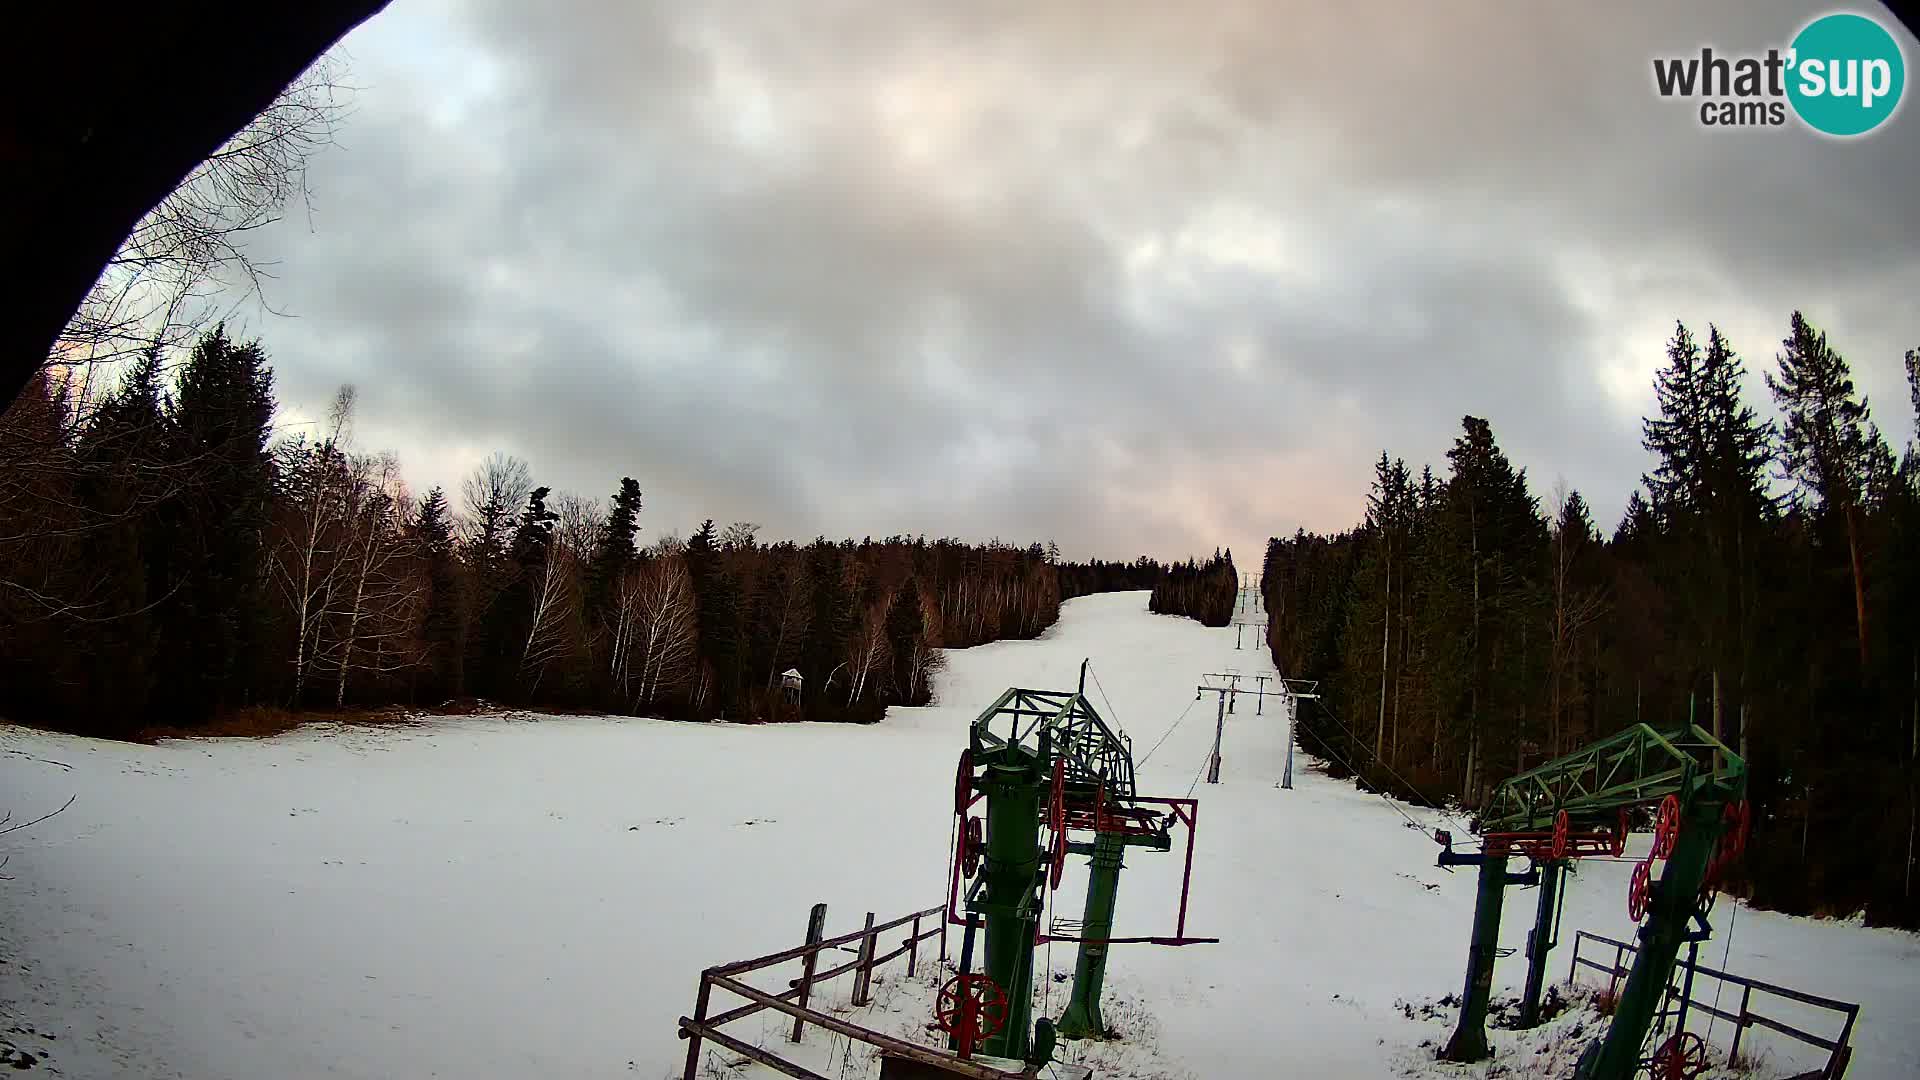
{"x":535,"y":896}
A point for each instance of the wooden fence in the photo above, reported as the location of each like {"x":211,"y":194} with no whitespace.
{"x":793,"y":1001}
{"x":1680,"y":1001}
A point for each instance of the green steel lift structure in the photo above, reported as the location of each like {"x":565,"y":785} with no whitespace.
{"x":1579,"y":805}
{"x":1044,"y":760}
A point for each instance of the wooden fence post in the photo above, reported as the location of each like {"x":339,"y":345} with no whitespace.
{"x":1740,"y":1025}
{"x":699,"y":1017}
{"x":816,"y":929}
{"x":863,"y":972}
{"x":913,"y":946}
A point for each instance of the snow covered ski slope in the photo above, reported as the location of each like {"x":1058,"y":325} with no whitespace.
{"x":487,"y":897}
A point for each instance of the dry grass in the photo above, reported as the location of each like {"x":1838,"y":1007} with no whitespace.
{"x":1605,"y":1001}
{"x":266,"y":721}
{"x":1745,"y":1062}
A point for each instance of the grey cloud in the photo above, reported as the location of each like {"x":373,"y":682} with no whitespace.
{"x":1134,"y":277}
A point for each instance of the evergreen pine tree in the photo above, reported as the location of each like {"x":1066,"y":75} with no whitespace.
{"x":215,"y":543}
{"x":441,"y":623}
{"x":1827,"y":442}
{"x":120,"y":486}
{"x":613,"y":550}
{"x":718,"y":600}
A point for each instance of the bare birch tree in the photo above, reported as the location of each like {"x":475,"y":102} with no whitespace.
{"x":658,"y":594}
{"x":556,"y":603}
{"x":382,"y":591}
{"x":315,"y":488}
{"x":868,"y":652}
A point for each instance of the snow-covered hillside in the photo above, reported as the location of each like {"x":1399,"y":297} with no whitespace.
{"x":488,"y":897}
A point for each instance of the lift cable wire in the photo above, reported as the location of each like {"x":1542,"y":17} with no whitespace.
{"x":1112,"y":712}
{"x":1450,"y":815}
{"x":1202,"y":772}
{"x":1164,"y":734}
{"x":1725,"y":955}
{"x":1411,"y":823}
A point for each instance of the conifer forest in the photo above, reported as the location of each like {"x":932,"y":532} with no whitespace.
{"x":1763,"y":583}
{"x":171,"y":561}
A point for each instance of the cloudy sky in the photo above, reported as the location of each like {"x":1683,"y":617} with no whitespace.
{"x":1146,"y":277}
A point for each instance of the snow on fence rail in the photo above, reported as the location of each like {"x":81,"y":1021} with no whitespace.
{"x":1680,"y":1001}
{"x":793,"y":1001}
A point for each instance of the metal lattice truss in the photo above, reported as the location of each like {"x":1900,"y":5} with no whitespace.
{"x":1638,"y":765}
{"x":1095,"y":755}
{"x":1099,"y":793}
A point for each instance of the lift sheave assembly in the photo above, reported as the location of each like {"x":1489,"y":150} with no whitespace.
{"x":1579,"y":806}
{"x":1044,"y":761}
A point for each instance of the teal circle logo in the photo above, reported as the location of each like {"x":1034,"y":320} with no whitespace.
{"x":1846,"y":74}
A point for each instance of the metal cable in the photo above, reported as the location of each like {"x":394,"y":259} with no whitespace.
{"x":1196,"y":776}
{"x":1163,"y":735}
{"x":1111,"y":711}
{"x":1383,"y":795}
{"x":1390,"y":771}
{"x":1721,"y":983}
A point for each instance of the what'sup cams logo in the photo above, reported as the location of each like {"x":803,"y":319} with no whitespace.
{"x":1842,"y":75}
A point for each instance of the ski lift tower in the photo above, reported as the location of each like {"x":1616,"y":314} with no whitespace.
{"x":1295,"y":691}
{"x":1576,"y":806}
{"x":1044,"y":758}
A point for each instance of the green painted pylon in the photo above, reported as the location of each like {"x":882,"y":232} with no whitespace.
{"x":1669,"y":909}
{"x":1082,"y":1019}
{"x":1540,"y":942}
{"x":1011,"y":905}
{"x":1469,"y":1042}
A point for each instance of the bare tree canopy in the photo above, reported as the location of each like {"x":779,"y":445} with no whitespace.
{"x":87,"y":158}
{"x":185,"y":262}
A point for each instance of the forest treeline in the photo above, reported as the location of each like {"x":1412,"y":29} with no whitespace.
{"x":1203,"y":591}
{"x":166,"y":559}
{"x":1764,"y":581}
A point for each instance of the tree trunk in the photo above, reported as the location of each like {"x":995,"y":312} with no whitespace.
{"x":1386,"y":630}
{"x":1859,"y":582}
{"x":1717,"y":731}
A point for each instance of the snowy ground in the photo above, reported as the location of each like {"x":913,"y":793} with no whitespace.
{"x":488,"y":897}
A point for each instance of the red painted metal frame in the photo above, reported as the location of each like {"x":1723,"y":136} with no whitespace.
{"x":1540,"y":845}
{"x":1185,"y":812}
{"x":954,"y":918}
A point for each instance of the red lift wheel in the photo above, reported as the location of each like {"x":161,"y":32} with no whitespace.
{"x":963,"y":783}
{"x":1620,"y":835}
{"x":1561,"y":826}
{"x":970,"y":1008}
{"x":1637,"y":889}
{"x":1739,"y":818}
{"x":1666,"y":827}
{"x":972,"y":843}
{"x":1059,"y":860}
{"x":1682,"y":1057}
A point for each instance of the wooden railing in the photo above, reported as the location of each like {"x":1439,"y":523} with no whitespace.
{"x":793,"y":1001}
{"x":1680,"y":1002}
